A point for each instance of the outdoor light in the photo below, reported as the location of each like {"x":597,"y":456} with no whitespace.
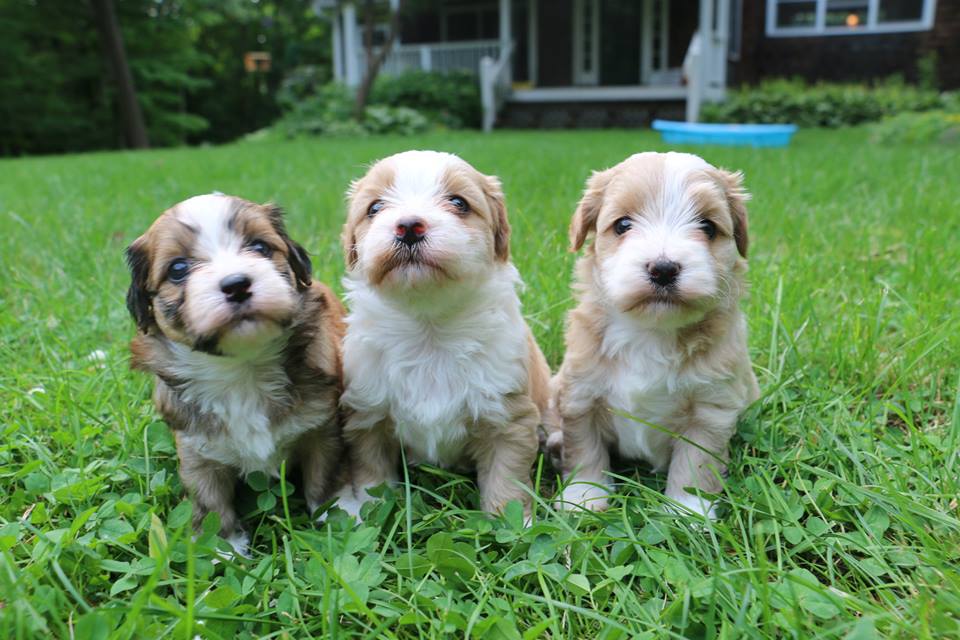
{"x":853,"y":20}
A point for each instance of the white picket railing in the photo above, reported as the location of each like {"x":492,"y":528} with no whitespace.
{"x":439,"y":56}
{"x":494,"y":85}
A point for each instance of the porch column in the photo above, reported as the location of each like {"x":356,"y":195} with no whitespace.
{"x":719,"y":80}
{"x":351,"y":45}
{"x":700,"y":61}
{"x":338,"y":73}
{"x":505,"y":36}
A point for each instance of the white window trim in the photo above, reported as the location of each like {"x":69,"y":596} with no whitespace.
{"x":871,"y":27}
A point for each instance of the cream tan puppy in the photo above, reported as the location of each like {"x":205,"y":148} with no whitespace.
{"x":245,"y":349}
{"x":656,"y":366}
{"x":437,"y":358}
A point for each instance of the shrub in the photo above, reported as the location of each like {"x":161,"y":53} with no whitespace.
{"x":401,"y":120}
{"x":314,"y":111}
{"x":403,"y":104}
{"x":451,"y":99}
{"x":930,"y":126}
{"x":328,"y":111}
{"x":820,"y":105}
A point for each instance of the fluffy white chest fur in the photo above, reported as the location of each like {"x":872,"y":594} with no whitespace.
{"x":239,"y":392}
{"x":650,"y":383}
{"x":435,"y":371}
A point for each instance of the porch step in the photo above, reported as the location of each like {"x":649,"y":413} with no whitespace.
{"x":588,"y":115}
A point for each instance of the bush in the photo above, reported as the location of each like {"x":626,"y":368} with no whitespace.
{"x":328,"y":111}
{"x":404,"y":104}
{"x":315,"y":111}
{"x":820,"y":105}
{"x":401,"y":120}
{"x":451,"y":99}
{"x":931,"y":126}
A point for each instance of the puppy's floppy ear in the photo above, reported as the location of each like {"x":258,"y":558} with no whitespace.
{"x":138,"y":296}
{"x":297,"y":256}
{"x":501,"y":226}
{"x":585,"y":217}
{"x":737,"y":196}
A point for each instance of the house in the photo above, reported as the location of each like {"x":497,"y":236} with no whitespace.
{"x":845,"y":40}
{"x":625,"y":62}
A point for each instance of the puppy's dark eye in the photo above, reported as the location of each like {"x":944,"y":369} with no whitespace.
{"x":459,"y":204}
{"x":709,"y":228}
{"x":375,"y":208}
{"x":622,"y":225}
{"x":261,"y":247}
{"x":178,"y":270}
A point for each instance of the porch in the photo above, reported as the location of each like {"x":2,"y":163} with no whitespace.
{"x":558,"y":51}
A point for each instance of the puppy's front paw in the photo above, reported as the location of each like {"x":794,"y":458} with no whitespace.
{"x":687,"y":503}
{"x":554,"y":448}
{"x":239,"y":540}
{"x":348,"y":500}
{"x":581,"y":494}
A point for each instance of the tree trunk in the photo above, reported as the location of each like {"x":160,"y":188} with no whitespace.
{"x":134,"y":129}
{"x":374,"y":62}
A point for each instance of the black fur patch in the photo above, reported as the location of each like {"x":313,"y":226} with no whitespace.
{"x":297,"y":256}
{"x":139,"y":298}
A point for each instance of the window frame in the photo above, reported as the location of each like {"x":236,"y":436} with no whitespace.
{"x":820,"y":28}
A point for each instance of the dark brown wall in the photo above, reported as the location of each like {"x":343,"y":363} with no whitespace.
{"x":554,"y":53}
{"x":848,"y":58}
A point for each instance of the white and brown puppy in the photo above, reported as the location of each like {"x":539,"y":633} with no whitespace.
{"x":244,"y":347}
{"x":656,"y":365}
{"x":437,"y":358}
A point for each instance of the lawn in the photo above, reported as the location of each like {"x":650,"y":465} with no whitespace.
{"x":841,"y":517}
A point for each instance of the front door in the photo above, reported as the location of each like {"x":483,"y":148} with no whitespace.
{"x":586,"y":42}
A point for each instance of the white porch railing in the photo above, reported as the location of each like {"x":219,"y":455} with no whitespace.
{"x":438,"y":56}
{"x":494,"y":85}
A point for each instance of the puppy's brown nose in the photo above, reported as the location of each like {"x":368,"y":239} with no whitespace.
{"x":663,"y":272}
{"x":236,"y":287}
{"x":410,"y":232}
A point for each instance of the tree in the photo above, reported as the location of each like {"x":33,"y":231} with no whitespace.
{"x":374,"y":62}
{"x":130,"y":112}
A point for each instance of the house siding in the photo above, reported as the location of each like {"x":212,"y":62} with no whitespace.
{"x":554,"y":53}
{"x":848,"y":57}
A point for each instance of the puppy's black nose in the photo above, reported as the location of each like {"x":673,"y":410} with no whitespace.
{"x":663,"y":272}
{"x":410,"y":232}
{"x":236,"y":287}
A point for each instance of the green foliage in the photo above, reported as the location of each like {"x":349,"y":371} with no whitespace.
{"x":927,"y":77}
{"x":820,"y":105}
{"x":51,"y":80}
{"x":327,"y":109}
{"x":381,"y":119}
{"x":451,"y":99}
{"x":238,"y":102}
{"x":186,"y":58}
{"x":314,"y":109}
{"x":840,"y":517}
{"x":405,"y":104}
{"x":930,"y":126}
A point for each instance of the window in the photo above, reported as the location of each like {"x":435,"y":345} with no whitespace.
{"x":470,"y":22}
{"x":846,"y":17}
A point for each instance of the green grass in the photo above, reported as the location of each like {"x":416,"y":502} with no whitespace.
{"x":842,"y":516}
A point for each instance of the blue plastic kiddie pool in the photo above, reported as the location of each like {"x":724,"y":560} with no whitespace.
{"x":743,"y":135}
